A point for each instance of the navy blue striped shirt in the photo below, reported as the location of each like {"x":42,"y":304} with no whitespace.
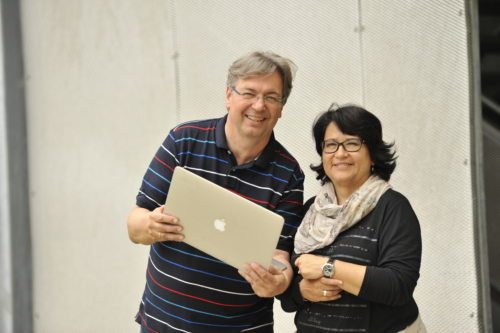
{"x":186,"y":289}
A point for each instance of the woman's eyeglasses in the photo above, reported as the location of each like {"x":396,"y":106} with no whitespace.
{"x":330,"y":146}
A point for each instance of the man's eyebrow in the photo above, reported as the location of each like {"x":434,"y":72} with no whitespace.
{"x":248,"y":89}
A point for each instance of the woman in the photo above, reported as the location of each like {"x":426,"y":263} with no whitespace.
{"x":358,"y":249}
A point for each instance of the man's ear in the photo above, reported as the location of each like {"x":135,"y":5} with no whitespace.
{"x":228,"y":96}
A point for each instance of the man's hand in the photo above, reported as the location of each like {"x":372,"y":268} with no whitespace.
{"x":271,"y":282}
{"x":147,"y":227}
{"x":163,"y":227}
{"x":265,"y":283}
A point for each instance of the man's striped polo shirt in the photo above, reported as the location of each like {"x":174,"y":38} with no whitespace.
{"x":186,"y":289}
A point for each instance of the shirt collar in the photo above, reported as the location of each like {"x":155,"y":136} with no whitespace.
{"x":265,"y":156}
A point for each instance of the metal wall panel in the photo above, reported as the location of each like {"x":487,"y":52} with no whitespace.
{"x":99,"y":94}
{"x":416,"y":77}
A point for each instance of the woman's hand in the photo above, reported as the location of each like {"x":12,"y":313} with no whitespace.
{"x":351,"y":275}
{"x":310,"y":266}
{"x":320,"y":290}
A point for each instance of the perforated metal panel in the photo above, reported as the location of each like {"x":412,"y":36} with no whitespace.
{"x":417,"y":79}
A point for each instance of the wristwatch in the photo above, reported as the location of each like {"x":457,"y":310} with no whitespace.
{"x":329,"y":268}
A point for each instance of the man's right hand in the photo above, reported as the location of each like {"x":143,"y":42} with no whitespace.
{"x":148,"y":227}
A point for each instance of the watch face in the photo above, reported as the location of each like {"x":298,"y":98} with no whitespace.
{"x":327,"y":270}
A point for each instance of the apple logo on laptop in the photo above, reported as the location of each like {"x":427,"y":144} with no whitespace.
{"x":220,"y":225}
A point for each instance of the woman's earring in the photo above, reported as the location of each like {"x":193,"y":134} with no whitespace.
{"x":373,"y":168}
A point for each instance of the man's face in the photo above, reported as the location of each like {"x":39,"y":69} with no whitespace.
{"x":254,"y":107}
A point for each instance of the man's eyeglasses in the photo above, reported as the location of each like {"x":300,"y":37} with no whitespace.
{"x":273,"y":100}
{"x":330,"y":146}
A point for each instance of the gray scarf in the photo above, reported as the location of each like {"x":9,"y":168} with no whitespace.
{"x":325,"y":219}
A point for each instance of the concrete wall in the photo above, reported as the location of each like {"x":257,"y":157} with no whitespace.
{"x":106,"y":80}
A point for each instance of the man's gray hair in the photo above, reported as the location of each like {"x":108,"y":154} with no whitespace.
{"x":263,"y":63}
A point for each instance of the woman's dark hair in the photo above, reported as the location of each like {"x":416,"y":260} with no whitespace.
{"x":354,"y":120}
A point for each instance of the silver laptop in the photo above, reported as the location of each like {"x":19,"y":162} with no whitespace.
{"x":221,"y":223}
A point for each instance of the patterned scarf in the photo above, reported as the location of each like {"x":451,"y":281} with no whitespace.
{"x":326,"y":219}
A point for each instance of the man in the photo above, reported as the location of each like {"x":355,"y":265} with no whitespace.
{"x":186,"y":289}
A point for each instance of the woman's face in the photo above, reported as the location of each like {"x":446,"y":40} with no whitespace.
{"x":347,"y":170}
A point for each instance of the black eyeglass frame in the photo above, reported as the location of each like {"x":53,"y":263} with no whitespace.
{"x":359,"y":141}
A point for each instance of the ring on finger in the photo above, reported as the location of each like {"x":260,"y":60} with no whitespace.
{"x":324,"y":293}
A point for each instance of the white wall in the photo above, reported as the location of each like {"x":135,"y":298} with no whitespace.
{"x":106,"y":79}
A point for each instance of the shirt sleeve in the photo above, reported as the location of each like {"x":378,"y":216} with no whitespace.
{"x":156,"y":181}
{"x":291,"y":208}
{"x":393,"y":279}
{"x":291,"y":300}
